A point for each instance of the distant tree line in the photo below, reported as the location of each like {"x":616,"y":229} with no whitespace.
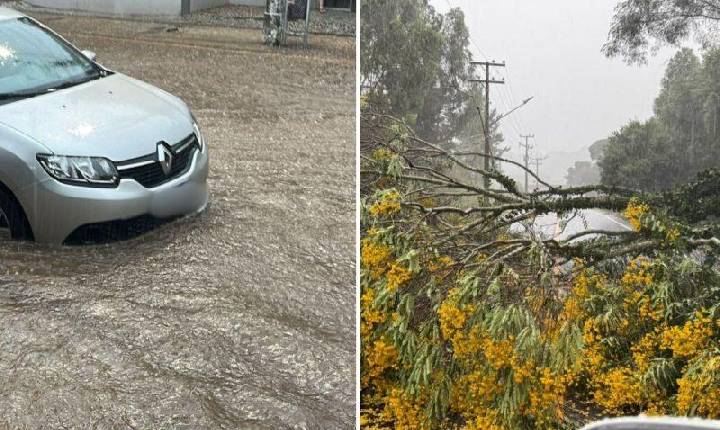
{"x":681,"y":139}
{"x":587,"y":172}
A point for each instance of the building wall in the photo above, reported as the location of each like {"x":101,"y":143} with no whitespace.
{"x":315,"y":3}
{"x":248,"y":2}
{"x":204,"y":4}
{"x":141,"y":7}
{"x":115,"y":7}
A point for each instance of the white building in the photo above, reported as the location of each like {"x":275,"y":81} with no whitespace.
{"x":158,"y":7}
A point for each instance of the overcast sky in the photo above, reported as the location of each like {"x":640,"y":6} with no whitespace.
{"x":552,"y":50}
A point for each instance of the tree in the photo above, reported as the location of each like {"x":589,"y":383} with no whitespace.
{"x":638,"y":156}
{"x":415,"y":64}
{"x":587,"y":172}
{"x":583,"y":173}
{"x":597,"y":149}
{"x":640,"y":27}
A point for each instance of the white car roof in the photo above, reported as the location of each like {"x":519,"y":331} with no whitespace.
{"x":653,"y":423}
{"x":7,"y":13}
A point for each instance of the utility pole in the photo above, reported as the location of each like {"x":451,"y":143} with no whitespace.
{"x":486,"y":124}
{"x":538,"y":162}
{"x":527,"y":147}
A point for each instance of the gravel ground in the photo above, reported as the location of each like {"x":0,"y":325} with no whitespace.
{"x":333,"y":22}
{"x":241,"y":317}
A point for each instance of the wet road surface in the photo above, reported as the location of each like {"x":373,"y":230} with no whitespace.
{"x":241,"y":317}
{"x":549,"y":225}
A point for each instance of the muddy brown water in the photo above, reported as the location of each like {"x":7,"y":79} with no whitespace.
{"x":241,"y":317}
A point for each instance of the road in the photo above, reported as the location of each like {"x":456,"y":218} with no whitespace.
{"x":242,"y":317}
{"x":550,"y":226}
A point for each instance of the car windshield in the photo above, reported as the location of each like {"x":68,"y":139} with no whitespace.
{"x":34,"y":61}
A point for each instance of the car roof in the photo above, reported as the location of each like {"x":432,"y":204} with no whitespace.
{"x":7,"y":13}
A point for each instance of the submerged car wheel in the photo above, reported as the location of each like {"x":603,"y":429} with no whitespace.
{"x":12,"y":217}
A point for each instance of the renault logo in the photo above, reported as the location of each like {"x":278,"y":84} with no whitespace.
{"x":165,"y":157}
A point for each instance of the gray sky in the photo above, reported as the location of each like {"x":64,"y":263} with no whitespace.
{"x":552,"y":49}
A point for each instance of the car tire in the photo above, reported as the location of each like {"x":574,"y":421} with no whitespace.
{"x":14,"y":216}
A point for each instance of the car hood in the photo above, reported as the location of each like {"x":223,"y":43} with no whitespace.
{"x":115,"y":117}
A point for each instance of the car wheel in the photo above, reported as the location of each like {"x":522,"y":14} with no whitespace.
{"x":12,"y":217}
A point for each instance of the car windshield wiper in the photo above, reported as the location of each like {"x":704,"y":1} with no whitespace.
{"x":23,"y":95}
{"x":30,"y":94}
{"x":72,"y":83}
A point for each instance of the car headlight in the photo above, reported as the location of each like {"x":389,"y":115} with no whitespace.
{"x":85,"y":171}
{"x":198,"y":133}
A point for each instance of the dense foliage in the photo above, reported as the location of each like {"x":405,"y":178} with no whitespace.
{"x":415,"y":64}
{"x":682,"y":138}
{"x":641,"y":26}
{"x":468,"y":324}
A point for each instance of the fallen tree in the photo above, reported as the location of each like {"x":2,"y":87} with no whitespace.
{"x":686,"y":219}
{"x":469,"y":323}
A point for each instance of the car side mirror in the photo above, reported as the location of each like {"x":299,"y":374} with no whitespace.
{"x":90,"y":55}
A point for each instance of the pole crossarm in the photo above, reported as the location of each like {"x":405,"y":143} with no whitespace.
{"x":488,"y":63}
{"x":491,"y":81}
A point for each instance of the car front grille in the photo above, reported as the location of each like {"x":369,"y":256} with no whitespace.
{"x":147,"y":170}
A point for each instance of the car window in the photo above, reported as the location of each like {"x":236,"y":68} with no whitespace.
{"x":33,"y":59}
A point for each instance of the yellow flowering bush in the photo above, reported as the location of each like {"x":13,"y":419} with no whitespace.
{"x":388,"y":204}
{"x":691,"y":338}
{"x":397,"y":275}
{"x":634,"y":213}
{"x":374,"y":257}
{"x":699,"y":388}
{"x":451,"y":339}
{"x":660,"y":364}
{"x":441,"y":350}
{"x":617,"y":389}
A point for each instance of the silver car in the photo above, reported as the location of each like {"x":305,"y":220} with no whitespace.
{"x":81,"y":145}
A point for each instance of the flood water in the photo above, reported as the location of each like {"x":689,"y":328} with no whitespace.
{"x":241,"y":317}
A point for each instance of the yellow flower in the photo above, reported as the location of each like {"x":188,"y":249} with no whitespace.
{"x":382,"y":154}
{"x":672,"y":235}
{"x":644,"y":351}
{"x":369,"y":316}
{"x":690,"y":339}
{"x":487,"y":420}
{"x":381,"y":355}
{"x":617,"y":389}
{"x":634,"y":211}
{"x":404,"y":411}
{"x":388,"y":204}
{"x":452,"y":318}
{"x":701,"y":390}
{"x":397,"y":276}
{"x":374,"y":257}
{"x":498,"y":353}
{"x":637,"y":274}
{"x":547,"y":396}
